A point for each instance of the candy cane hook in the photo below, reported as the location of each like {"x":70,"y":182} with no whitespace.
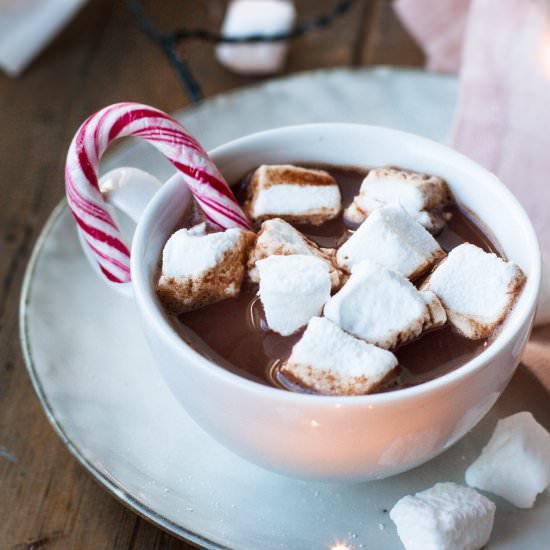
{"x":88,"y":206}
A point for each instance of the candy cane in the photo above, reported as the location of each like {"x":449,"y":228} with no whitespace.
{"x":87,"y":205}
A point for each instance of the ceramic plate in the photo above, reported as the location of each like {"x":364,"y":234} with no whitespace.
{"x":101,"y":391}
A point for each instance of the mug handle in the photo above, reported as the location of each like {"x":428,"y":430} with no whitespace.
{"x":128,"y":190}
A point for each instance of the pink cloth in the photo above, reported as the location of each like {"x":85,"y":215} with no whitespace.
{"x":503,"y":113}
{"x":438,"y":27}
{"x":503,"y":116}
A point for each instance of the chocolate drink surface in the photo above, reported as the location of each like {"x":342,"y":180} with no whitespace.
{"x":234,"y":334}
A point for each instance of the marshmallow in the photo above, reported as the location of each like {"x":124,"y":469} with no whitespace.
{"x":300,"y":195}
{"x":476,"y":288}
{"x":421,"y":195}
{"x":253,"y":18}
{"x":293,"y":289}
{"x":277,"y":237}
{"x":200,"y":268}
{"x":381,"y":307}
{"x":331,"y":362}
{"x":444,"y":517}
{"x":392,"y":238}
{"x":515,"y":464}
{"x":438,"y":315}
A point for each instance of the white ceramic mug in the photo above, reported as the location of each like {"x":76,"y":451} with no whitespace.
{"x":321,"y":437}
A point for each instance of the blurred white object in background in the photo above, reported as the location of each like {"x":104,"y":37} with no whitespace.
{"x":27,"y":26}
{"x":256,"y":17}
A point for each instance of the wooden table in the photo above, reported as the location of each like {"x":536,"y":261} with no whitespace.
{"x":47,"y":500}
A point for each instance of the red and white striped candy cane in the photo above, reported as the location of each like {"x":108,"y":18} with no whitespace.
{"x":87,"y":205}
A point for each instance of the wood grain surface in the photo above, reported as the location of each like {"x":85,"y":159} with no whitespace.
{"x":47,"y":500}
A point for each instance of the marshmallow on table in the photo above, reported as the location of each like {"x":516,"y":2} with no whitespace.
{"x":382,"y":307}
{"x":300,"y":195}
{"x":277,"y":237}
{"x":200,"y":268}
{"x":391,"y":237}
{"x":253,"y":18}
{"x":421,"y":195}
{"x":332,"y":362}
{"x":293,"y":289}
{"x":445,"y":517}
{"x":476,"y":288}
{"x":515,"y":464}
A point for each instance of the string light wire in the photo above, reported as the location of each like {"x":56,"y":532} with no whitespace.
{"x":169,"y":42}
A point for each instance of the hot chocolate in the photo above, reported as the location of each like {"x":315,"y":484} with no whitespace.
{"x":234,"y":333}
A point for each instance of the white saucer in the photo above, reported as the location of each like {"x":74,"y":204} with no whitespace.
{"x":93,"y":373}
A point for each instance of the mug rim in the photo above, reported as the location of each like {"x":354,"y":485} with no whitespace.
{"x":146,"y":298}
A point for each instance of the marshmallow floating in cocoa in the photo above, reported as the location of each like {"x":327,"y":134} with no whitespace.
{"x":330,"y":361}
{"x":293,"y":289}
{"x":421,"y":195}
{"x":447,"y":516}
{"x":278,"y":238}
{"x":382,"y":307}
{"x":392,"y":238}
{"x":256,"y":18}
{"x":200,"y":268}
{"x":476,"y":288}
{"x":515,"y":463}
{"x":300,"y":195}
{"x":438,"y":316}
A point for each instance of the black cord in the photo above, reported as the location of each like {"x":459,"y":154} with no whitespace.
{"x":168,"y":42}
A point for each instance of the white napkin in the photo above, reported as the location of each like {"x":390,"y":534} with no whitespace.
{"x":27,"y":26}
